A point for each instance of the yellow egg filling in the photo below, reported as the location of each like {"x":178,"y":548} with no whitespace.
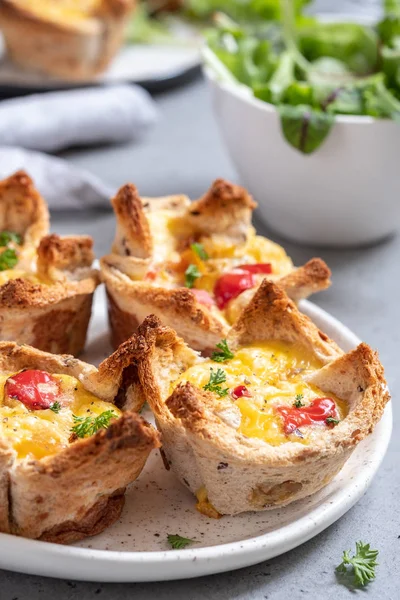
{"x":9,"y":274}
{"x":173,"y":253}
{"x":274,"y":373}
{"x":40,"y":433}
{"x":61,"y":10}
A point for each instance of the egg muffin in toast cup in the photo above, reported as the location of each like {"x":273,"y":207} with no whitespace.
{"x":67,"y":39}
{"x":195,"y":265}
{"x":46,"y":281}
{"x":271,"y":417}
{"x":67,"y":451}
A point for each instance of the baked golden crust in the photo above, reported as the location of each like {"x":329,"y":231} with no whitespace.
{"x":49,"y":304}
{"x":79,"y":491}
{"x":223,"y":214}
{"x":71,"y":49}
{"x":202,"y":444}
{"x":23,"y":211}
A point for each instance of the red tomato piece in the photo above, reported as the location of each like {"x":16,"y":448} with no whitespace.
{"x":151,"y":274}
{"x":38,"y":390}
{"x":319,"y":410}
{"x":203,"y":297}
{"x":231,"y":285}
{"x":240,"y":391}
{"x":258,"y":268}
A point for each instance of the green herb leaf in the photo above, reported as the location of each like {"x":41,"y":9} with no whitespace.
{"x":304,"y":128}
{"x":191,"y":274}
{"x":216,"y":378}
{"x":177,"y":542}
{"x":298,"y":402}
{"x":363,"y":563}
{"x":8,"y":259}
{"x":199,"y":250}
{"x":332,"y":421}
{"x":87,"y":426}
{"x":9,"y":236}
{"x":223,"y":354}
{"x":55,"y":407}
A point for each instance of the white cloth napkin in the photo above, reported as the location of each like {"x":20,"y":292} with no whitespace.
{"x":63,"y":185}
{"x":57,"y":120}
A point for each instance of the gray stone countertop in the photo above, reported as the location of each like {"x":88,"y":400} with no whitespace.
{"x":184,"y":153}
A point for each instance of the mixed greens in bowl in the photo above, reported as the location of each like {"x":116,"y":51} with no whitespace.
{"x":309,"y":69}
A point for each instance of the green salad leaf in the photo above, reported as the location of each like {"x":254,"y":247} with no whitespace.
{"x":243,"y":11}
{"x":379,"y":101}
{"x":303,"y":127}
{"x":344,"y":101}
{"x":356,"y":46}
{"x":389,"y":28}
{"x":312,"y":71}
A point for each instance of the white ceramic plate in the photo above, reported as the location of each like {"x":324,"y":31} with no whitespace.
{"x":136,"y":549}
{"x":154,"y":66}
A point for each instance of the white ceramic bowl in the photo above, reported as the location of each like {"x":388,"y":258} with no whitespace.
{"x":347,"y":193}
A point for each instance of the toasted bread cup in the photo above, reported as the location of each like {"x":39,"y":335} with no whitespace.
{"x":62,"y":489}
{"x":47,"y":283}
{"x":274,"y":462}
{"x":65,"y":39}
{"x":163,"y":244}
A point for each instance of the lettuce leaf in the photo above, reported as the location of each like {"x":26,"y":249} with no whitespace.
{"x":354,"y":45}
{"x":303,"y":127}
{"x":241,"y":10}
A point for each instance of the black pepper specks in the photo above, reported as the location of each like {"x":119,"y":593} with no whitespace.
{"x":222,"y":465}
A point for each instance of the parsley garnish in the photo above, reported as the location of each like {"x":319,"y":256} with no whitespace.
{"x":87,"y":426}
{"x":178,"y":542}
{"x":331,"y":421}
{"x":199,"y":250}
{"x":363,"y":563}
{"x":223,"y":354}
{"x":191,"y":274}
{"x":298,"y":402}
{"x":8,"y":259}
{"x":9,"y":236}
{"x":216,"y":377}
{"x":55,"y":407}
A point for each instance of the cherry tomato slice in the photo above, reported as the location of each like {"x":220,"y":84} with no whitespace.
{"x":38,"y":390}
{"x":151,"y":275}
{"x":230,"y":285}
{"x":240,"y":391}
{"x":319,"y":410}
{"x":203,"y":297}
{"x":265,"y":268}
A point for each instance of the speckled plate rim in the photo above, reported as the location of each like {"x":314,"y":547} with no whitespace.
{"x":52,"y":560}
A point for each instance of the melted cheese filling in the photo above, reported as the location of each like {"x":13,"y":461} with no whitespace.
{"x":9,"y":274}
{"x":274,"y":373}
{"x":172,"y":255}
{"x":40,"y":433}
{"x":61,"y":10}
